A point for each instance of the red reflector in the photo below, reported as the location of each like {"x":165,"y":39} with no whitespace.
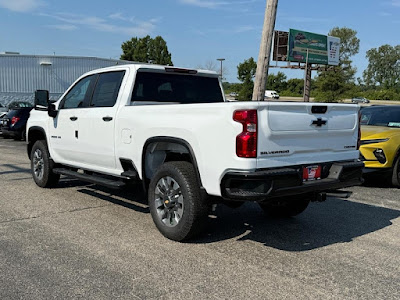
{"x":246,"y":145}
{"x":246,"y":142}
{"x":14,"y":120}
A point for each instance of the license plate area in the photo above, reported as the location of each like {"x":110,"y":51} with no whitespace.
{"x":312,"y":173}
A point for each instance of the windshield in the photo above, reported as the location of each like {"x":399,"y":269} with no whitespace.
{"x":163,"y":87}
{"x":381,"y":116}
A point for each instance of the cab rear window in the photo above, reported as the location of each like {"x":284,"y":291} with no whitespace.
{"x":176,"y":88}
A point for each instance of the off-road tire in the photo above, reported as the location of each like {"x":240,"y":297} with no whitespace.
{"x":193,"y":207}
{"x":286,"y":206}
{"x":42,"y":166}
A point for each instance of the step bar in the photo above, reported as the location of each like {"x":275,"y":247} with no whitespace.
{"x":110,"y":183}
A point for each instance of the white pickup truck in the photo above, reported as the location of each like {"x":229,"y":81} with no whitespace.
{"x":172,"y":129}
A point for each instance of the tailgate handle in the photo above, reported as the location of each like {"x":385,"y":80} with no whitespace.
{"x":319,"y":109}
{"x":73,"y":118}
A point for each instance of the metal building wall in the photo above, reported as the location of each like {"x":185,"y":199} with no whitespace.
{"x":23,"y":74}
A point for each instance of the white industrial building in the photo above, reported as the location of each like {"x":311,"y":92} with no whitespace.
{"x":21,"y":75}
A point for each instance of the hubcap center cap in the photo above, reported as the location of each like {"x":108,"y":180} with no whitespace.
{"x":169,"y":202}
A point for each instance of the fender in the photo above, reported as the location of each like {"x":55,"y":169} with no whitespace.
{"x":31,"y":139}
{"x":173,"y":140}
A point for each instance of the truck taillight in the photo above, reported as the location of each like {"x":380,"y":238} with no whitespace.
{"x":359,"y":131}
{"x":14,"y":120}
{"x":246,"y":141}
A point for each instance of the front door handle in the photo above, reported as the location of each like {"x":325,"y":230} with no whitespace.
{"x":73,"y":118}
{"x":107,"y":119}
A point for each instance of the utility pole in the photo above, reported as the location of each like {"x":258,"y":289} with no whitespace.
{"x":265,"y":50}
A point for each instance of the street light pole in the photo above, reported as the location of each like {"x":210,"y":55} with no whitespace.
{"x":221,"y":60}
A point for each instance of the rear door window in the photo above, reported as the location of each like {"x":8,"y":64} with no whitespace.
{"x":105,"y":93}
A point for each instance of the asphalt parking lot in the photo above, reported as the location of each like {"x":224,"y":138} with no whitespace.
{"x":82,"y":241}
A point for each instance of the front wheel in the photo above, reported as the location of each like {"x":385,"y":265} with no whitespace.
{"x":396,"y":173}
{"x":176,"y":205}
{"x":286,"y":206}
{"x":42,"y":166}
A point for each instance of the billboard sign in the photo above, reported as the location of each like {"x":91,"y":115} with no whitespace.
{"x":333,"y":50}
{"x":313,"y":48}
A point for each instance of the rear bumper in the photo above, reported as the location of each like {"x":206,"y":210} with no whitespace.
{"x":262,"y":185}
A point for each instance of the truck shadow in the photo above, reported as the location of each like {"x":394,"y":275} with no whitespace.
{"x":14,"y":169}
{"x":322,"y":224}
{"x":133,"y":198}
{"x":377,"y":181}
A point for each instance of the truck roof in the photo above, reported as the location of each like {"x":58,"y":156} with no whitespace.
{"x":136,"y":66}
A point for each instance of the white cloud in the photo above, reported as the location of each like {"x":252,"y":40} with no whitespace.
{"x":213,"y":4}
{"x":305,"y":19}
{"x":244,"y":28}
{"x":138,"y":28}
{"x":21,"y":5}
{"x":395,"y":3}
{"x":64,"y":27}
{"x":205,"y":4}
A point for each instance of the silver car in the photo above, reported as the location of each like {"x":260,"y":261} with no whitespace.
{"x":359,"y":100}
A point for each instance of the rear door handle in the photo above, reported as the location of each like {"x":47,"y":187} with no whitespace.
{"x":107,"y":119}
{"x":73,"y":118}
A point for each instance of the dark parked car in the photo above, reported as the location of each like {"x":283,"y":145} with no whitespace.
{"x":13,"y":124}
{"x":2,"y":114}
{"x":3,"y":109}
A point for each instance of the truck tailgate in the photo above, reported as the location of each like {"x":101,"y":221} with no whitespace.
{"x":306,"y":133}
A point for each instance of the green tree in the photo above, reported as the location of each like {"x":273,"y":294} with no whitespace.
{"x":330,"y":85}
{"x":383,"y":67}
{"x":333,"y":83}
{"x":147,"y":50}
{"x":246,"y":73}
{"x":294,"y":87}
{"x":349,"y":46}
{"x":276,"y":82}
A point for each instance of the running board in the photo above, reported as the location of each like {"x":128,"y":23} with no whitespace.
{"x":113,"y":184}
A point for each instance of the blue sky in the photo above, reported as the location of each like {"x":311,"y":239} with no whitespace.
{"x":196,"y":31}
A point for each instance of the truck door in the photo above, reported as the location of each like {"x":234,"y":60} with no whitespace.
{"x":97,"y":128}
{"x":64,"y":128}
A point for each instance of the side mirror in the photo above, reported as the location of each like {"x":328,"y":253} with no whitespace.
{"x":41,"y":99}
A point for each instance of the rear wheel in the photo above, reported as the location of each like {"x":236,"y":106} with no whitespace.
{"x":176,"y":205}
{"x":286,"y":206}
{"x":42,"y":166}
{"x":396,"y":173}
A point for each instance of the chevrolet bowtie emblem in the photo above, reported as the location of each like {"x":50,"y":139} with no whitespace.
{"x":319,"y":122}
